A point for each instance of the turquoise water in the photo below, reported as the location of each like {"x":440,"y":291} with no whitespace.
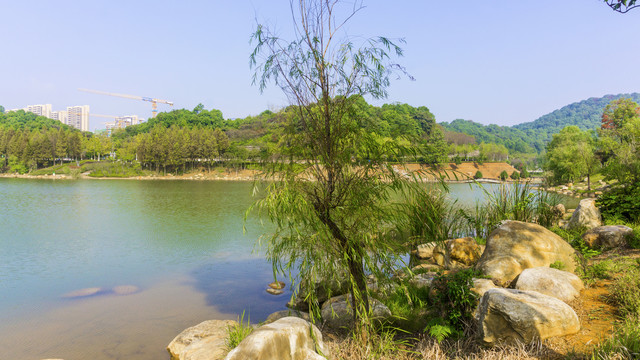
{"x":181,"y":243}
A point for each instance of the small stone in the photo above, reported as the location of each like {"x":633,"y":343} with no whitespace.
{"x":82,"y":293}
{"x":277,"y":285}
{"x":125,"y":289}
{"x":275,"y":291}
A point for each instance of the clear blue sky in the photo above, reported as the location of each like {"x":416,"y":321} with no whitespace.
{"x":501,"y":62}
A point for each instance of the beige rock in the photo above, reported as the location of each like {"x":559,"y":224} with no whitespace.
{"x":507,"y":315}
{"x":275,"y":291}
{"x":287,"y":339}
{"x":423,"y":280}
{"x":336,"y":312}
{"x":586,"y":215}
{"x":190,"y":343}
{"x":457,"y":253}
{"x":286,"y":313}
{"x":514,"y":246}
{"x":425,"y":251}
{"x":480,"y":286}
{"x":560,"y":284}
{"x":608,"y":237}
{"x":426,"y":267}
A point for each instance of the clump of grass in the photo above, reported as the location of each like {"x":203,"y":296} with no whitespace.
{"x":625,"y":292}
{"x":625,"y":343}
{"x":557,"y":265}
{"x":237,"y":333}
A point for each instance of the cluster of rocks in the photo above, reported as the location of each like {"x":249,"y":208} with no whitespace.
{"x":529,"y":281}
{"x":576,"y":190}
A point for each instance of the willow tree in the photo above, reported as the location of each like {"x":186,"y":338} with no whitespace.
{"x":331,"y":202}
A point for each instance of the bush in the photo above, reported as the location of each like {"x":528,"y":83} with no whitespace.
{"x":453,"y":298}
{"x":621,"y":202}
{"x":504,"y":175}
{"x":524,"y":173}
{"x":478,"y":175}
{"x":515,"y":175}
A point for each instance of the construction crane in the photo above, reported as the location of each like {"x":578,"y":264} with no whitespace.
{"x":154,"y":102}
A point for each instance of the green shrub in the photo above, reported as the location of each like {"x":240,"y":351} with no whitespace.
{"x":453,"y":298}
{"x":621,"y":202}
{"x":478,"y":175}
{"x":504,"y":175}
{"x":524,"y":174}
{"x":515,"y":175}
{"x":237,"y":333}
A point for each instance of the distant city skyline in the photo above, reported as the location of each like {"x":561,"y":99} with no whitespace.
{"x":490,"y":62}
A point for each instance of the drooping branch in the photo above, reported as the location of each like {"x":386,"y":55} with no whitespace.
{"x":622,"y":6}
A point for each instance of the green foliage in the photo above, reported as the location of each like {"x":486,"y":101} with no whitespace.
{"x":621,"y":6}
{"x":621,"y":203}
{"x":439,"y":329}
{"x":453,"y":299}
{"x":571,"y":155}
{"x":478,"y":175}
{"x":509,"y":202}
{"x":428,"y":215}
{"x":524,"y":173}
{"x":339,"y":222}
{"x":237,"y":333}
{"x":624,"y":344}
{"x":515,"y":175}
{"x":557,"y":265}
{"x":574,"y":238}
{"x":625,"y":292}
{"x":504,"y":175}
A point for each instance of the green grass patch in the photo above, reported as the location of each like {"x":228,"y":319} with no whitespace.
{"x":237,"y":333}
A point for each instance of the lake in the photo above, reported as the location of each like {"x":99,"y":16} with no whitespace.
{"x":179,"y":243}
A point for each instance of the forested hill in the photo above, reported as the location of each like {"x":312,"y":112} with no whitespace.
{"x":533,"y":136}
{"x":585,"y":114}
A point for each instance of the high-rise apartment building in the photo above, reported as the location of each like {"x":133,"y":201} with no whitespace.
{"x":60,"y":116}
{"x":42,"y":110}
{"x":78,"y":117}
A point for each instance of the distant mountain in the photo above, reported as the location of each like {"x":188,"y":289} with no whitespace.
{"x":585,"y":114}
{"x":533,"y":136}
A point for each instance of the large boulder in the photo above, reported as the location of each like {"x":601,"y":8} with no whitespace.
{"x":608,"y":237}
{"x":425,"y":251}
{"x":481,"y":286}
{"x":286,"y":313}
{"x":508,"y":315}
{"x":457,"y":253}
{"x":337,"y":312}
{"x":205,"y":341}
{"x":587,"y":215}
{"x":514,"y":246}
{"x":289,"y":338}
{"x":553,"y":282}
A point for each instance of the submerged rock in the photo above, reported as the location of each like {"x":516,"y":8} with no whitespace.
{"x":82,"y":293}
{"x":125,"y":289}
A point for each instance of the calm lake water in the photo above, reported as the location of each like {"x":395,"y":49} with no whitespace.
{"x":181,"y":243}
